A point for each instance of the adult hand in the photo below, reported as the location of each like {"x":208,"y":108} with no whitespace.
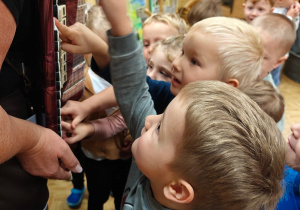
{"x":51,"y":157}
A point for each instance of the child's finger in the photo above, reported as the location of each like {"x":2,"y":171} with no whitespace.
{"x":66,"y":126}
{"x":64,"y":31}
{"x":70,"y":48}
{"x":75,"y":122}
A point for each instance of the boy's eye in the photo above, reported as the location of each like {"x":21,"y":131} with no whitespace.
{"x":150,"y":66}
{"x":250,"y":8}
{"x":261,"y":9}
{"x":165,"y":74}
{"x":158,"y":128}
{"x":194,"y":62}
{"x":182,"y":52}
{"x":146,"y":44}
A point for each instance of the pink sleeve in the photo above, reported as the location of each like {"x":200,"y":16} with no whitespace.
{"x":109,"y":126}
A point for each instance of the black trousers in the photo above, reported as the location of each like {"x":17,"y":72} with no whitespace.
{"x":103,"y":177}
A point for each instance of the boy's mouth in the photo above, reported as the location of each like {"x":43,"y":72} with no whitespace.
{"x":175,"y":82}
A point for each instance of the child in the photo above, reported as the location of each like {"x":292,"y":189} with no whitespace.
{"x":215,"y":175}
{"x":291,"y":9}
{"x":204,"y":9}
{"x":278,"y":35}
{"x":267,"y":98}
{"x":158,"y":27}
{"x":163,"y":54}
{"x":255,"y":8}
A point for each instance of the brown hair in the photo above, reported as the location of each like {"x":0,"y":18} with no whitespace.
{"x":170,"y":19}
{"x":233,"y":155}
{"x":279,"y":27}
{"x":204,"y":9}
{"x":267,"y":98}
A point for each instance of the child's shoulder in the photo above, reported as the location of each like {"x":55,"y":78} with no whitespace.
{"x":291,"y":197}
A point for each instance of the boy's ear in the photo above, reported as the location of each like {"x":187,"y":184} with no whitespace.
{"x":179,"y":192}
{"x":243,"y":5}
{"x":233,"y":82}
{"x":280,"y":61}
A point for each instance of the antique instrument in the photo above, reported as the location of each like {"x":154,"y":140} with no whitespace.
{"x":63,"y":72}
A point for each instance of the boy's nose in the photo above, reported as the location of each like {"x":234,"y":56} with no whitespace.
{"x":175,"y":65}
{"x":152,"y":75}
{"x":255,"y":12}
{"x":148,"y":122}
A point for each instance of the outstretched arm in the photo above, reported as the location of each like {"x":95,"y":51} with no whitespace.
{"x":80,"y":110}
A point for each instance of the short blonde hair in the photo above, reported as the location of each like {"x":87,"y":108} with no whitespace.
{"x":169,"y":46}
{"x":267,"y":98}
{"x":96,"y":20}
{"x":204,"y":9}
{"x":271,"y":2}
{"x":278,"y":26}
{"x":170,"y":19}
{"x":240,"y":48}
{"x":233,"y":155}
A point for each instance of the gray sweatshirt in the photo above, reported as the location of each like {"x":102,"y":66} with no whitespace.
{"x":127,"y":67}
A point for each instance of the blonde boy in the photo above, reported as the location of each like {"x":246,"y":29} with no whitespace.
{"x":278,"y":35}
{"x":163,"y":54}
{"x":158,"y":27}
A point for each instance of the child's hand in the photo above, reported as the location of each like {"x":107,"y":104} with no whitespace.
{"x":82,"y":131}
{"x":76,"y":110}
{"x":294,"y":10}
{"x":78,"y":39}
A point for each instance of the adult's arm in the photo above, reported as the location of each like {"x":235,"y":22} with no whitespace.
{"x":7,"y":30}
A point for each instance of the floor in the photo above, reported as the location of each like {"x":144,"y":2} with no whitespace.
{"x":59,"y":190}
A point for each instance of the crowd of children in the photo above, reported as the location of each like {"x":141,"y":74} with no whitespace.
{"x":214,"y":143}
